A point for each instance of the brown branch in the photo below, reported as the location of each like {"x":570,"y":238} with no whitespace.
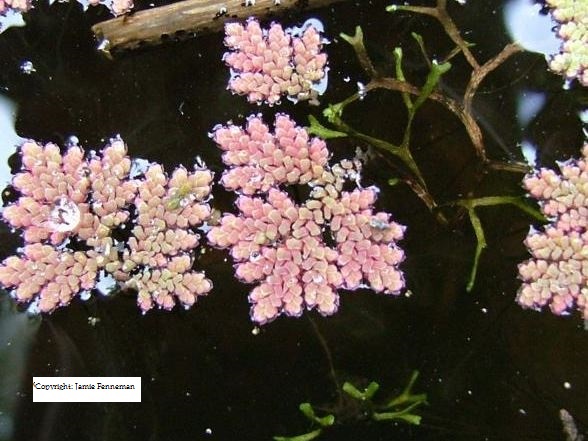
{"x":356,"y":41}
{"x":188,"y":16}
{"x":454,"y":33}
{"x":470,"y":124}
{"x":513,"y":167}
{"x":440,"y":13}
{"x":481,"y":72}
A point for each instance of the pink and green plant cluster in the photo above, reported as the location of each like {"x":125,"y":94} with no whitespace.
{"x":572,"y":28}
{"x":116,"y":7}
{"x":86,"y":217}
{"x":301,"y":250}
{"x":69,"y":206}
{"x":557,"y":273}
{"x":269,"y":63}
{"x":14,"y":6}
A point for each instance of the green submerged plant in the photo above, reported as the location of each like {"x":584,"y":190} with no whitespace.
{"x":414,"y":97}
{"x":402,"y":407}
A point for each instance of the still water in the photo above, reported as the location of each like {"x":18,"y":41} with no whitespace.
{"x":491,"y":370}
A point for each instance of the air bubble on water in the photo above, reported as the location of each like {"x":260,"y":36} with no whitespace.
{"x":298,"y":31}
{"x":33,"y":308}
{"x":10,"y":19}
{"x":106,"y":284}
{"x":65,"y":216}
{"x":138,"y":167}
{"x":72,"y":141}
{"x":27,"y":67}
{"x":361,"y":90}
{"x":199,"y":163}
{"x":321,"y":86}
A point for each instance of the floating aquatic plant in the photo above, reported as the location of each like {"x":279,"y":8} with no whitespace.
{"x":301,"y":251}
{"x":267,"y":64}
{"x":403,"y":407}
{"x":70,"y":205}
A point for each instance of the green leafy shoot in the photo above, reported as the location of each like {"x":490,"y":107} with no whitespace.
{"x":471,"y":204}
{"x":364,"y":395}
{"x":308,"y":411}
{"x":316,"y":128}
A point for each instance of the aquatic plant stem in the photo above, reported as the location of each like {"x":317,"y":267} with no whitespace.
{"x":470,"y":124}
{"x":512,"y":166}
{"x":414,"y":179}
{"x":304,"y":437}
{"x":398,"y":408}
{"x":334,"y":113}
{"x":329,"y":357}
{"x":400,"y":84}
{"x":480,"y":72}
{"x":356,"y":41}
{"x":471,"y":204}
{"x":440,"y":13}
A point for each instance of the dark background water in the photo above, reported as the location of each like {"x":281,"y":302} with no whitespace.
{"x":491,"y":370}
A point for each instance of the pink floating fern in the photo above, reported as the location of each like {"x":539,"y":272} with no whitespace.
{"x":70,"y":202}
{"x":557,"y":273}
{"x":301,"y":253}
{"x":267,"y":64}
{"x":159,"y":253}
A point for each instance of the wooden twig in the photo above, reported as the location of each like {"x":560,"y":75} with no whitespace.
{"x":151,"y":26}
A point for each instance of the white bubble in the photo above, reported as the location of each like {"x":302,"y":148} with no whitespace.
{"x":361,"y":90}
{"x":27,"y":67}
{"x":72,"y":141}
{"x":65,"y":216}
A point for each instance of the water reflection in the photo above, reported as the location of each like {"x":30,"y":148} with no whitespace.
{"x":11,"y":19}
{"x":16,"y":335}
{"x":529,"y":104}
{"x":529,"y":151}
{"x":8,"y":137}
{"x":531,"y":29}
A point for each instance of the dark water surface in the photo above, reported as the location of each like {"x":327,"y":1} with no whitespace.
{"x":491,"y":370}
